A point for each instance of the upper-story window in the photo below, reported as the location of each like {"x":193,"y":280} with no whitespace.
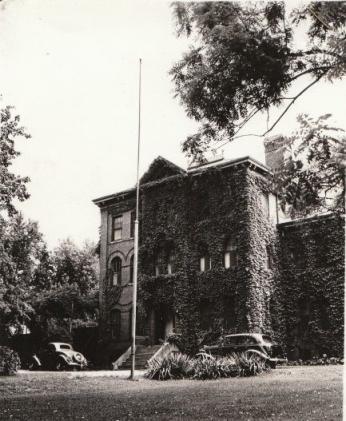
{"x":231,"y":255}
{"x":165,"y":261}
{"x":117,"y":227}
{"x":132,"y":226}
{"x":132,"y":268}
{"x":116,"y":268}
{"x":160,"y":263}
{"x":170,"y":262}
{"x":265,"y":204}
{"x":204,"y":257}
{"x":269,"y":262}
{"x":204,"y":262}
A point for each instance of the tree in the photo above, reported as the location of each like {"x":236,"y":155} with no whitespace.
{"x":71,"y":297}
{"x":312,"y":179}
{"x":245,"y":58}
{"x":21,"y":246}
{"x":11,"y":186}
{"x":76,"y":266}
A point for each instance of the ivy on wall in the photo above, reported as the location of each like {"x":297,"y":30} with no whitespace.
{"x":287,"y":281}
{"x":201,"y":213}
{"x":312,"y":276}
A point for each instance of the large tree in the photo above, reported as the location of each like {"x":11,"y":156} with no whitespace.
{"x":21,"y":248}
{"x":245,"y":58}
{"x":312,"y":179}
{"x":12,"y":186}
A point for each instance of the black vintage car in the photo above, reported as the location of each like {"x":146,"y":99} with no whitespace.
{"x":57,"y":356}
{"x":255,"y":344}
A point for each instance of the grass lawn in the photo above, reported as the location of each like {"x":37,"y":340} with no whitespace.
{"x":297,"y":393}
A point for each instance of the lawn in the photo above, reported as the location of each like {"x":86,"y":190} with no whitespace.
{"x":297,"y":393}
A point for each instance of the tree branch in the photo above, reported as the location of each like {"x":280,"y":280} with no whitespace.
{"x":314,"y":69}
{"x":283,"y":113}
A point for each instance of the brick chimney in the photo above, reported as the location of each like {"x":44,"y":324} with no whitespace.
{"x":275,"y":148}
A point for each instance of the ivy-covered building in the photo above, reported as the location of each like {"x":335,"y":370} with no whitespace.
{"x":213,"y":257}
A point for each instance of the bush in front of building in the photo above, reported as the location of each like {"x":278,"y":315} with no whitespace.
{"x":203,"y":367}
{"x":9,"y":361}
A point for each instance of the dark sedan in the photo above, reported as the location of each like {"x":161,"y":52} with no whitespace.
{"x":255,"y":344}
{"x":58,"y":356}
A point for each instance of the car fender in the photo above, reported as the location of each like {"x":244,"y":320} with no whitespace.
{"x":259,"y":353}
{"x":65,"y":358}
{"x":36,"y":361}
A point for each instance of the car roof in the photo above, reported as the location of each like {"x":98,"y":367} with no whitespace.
{"x":59,"y":343}
{"x":237,"y":335}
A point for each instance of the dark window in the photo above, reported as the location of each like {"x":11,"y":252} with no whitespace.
{"x":170,"y":262}
{"x":231,"y":255}
{"x":297,"y":257}
{"x":204,"y":262}
{"x":131,"y":268}
{"x":116,"y":269}
{"x":117,"y":228}
{"x":132,"y":227}
{"x":160,"y":263}
{"x":269,"y":257}
{"x":115,"y":323}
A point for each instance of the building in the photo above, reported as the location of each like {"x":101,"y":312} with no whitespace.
{"x":213,"y":257}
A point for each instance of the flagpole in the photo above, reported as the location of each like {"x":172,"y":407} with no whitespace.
{"x":135,"y":262}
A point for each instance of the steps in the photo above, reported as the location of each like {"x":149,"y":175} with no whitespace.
{"x":143,"y":354}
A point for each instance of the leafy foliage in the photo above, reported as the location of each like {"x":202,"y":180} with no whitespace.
{"x":204,"y":367}
{"x":246,"y":56}
{"x":9,"y":361}
{"x":312,"y":179}
{"x":21,"y":247}
{"x":11,"y":186}
{"x":174,"y":366}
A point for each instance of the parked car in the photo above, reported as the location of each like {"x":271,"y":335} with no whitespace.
{"x":58,"y":356}
{"x":255,"y":344}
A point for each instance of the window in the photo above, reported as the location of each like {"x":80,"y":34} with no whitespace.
{"x":297,"y":257}
{"x":269,"y":256}
{"x":132,"y":227}
{"x":115,"y":320}
{"x":116,"y":268}
{"x":160,"y":266}
{"x":231,"y":255}
{"x":265,"y":204}
{"x":117,"y":228}
{"x":170,"y":262}
{"x":204,"y":263}
{"x":131,"y":268}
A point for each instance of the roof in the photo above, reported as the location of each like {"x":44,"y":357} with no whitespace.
{"x":161,"y":169}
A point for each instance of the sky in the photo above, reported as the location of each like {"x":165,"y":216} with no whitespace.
{"x":70,"y":69}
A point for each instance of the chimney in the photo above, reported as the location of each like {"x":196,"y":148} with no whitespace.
{"x":275,"y":148}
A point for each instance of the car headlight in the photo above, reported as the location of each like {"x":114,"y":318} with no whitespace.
{"x":78,"y":357}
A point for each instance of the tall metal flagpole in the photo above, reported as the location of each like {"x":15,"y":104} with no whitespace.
{"x":135,"y":262}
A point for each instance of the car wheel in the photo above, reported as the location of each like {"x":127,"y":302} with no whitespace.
{"x":60,"y":365}
{"x":32,"y":365}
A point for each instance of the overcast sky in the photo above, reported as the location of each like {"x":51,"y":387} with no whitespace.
{"x":70,"y":68}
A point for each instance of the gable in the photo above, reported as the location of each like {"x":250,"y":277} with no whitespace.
{"x":159,"y":169}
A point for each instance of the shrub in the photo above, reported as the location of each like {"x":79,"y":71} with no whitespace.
{"x":208,"y":367}
{"x":204,"y":366}
{"x":9,"y":361}
{"x":250,"y":364}
{"x":174,"y":366}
